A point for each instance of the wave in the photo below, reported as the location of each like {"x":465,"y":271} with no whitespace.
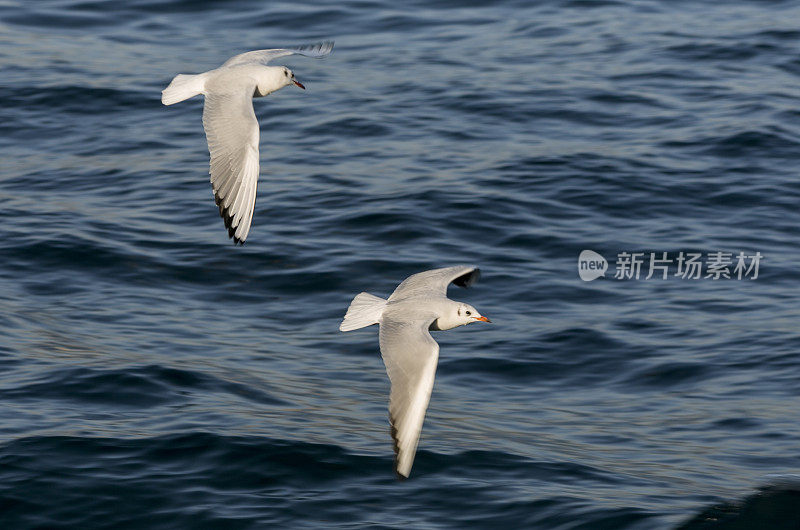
{"x":773,"y":507}
{"x":140,"y":387}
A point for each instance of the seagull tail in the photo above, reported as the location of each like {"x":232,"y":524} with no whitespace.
{"x":364,"y":310}
{"x":183,"y":87}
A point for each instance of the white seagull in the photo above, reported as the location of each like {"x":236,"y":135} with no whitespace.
{"x":418,"y":305}
{"x":231,"y":125}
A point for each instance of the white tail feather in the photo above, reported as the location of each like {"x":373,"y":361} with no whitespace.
{"x":183,"y":87}
{"x":364,"y":310}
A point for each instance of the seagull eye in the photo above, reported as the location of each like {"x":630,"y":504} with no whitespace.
{"x":468,"y":313}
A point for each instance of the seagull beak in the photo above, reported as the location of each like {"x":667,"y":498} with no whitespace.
{"x":483,"y":319}
{"x":298,"y":83}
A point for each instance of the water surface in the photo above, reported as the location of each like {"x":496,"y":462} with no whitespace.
{"x":152,"y":375}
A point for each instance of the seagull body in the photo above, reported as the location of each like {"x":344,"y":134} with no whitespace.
{"x":231,"y":126}
{"x":418,"y":305}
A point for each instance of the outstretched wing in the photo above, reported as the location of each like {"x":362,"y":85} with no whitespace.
{"x":232,"y":133}
{"x":316,"y":50}
{"x":410,"y":355}
{"x":435,"y":282}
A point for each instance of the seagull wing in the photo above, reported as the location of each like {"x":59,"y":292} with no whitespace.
{"x":435,"y":282}
{"x":410,"y":355}
{"x":232,"y":133}
{"x":316,"y":50}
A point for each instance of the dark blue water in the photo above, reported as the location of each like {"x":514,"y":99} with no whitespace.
{"x":153,"y":375}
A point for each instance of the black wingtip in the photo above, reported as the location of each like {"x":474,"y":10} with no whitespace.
{"x":228,"y":219}
{"x":465,"y":280}
{"x":318,"y":46}
{"x":396,"y":448}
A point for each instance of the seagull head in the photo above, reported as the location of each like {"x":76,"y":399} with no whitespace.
{"x":457,"y":314}
{"x":466,"y":314}
{"x":290,"y":79}
{"x":272,"y":78}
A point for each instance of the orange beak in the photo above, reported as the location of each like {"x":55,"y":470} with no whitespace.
{"x":298,"y":83}
{"x":482,"y":319}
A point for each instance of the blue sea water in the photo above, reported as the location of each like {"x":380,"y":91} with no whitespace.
{"x":153,"y":375}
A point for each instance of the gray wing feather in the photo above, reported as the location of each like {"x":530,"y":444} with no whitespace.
{"x":435,"y":282}
{"x":232,"y":133}
{"x":410,"y":355}
{"x":316,"y":50}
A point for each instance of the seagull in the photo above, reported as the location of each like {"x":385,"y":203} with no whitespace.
{"x":231,"y":125}
{"x":417,"y":306}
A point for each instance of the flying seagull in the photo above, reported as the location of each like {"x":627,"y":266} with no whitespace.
{"x":417,"y":306}
{"x":231,"y":125}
